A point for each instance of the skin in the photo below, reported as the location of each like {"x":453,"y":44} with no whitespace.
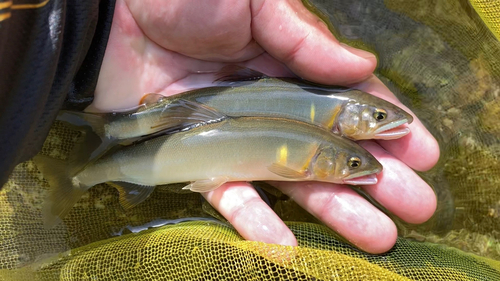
{"x":170,"y":47}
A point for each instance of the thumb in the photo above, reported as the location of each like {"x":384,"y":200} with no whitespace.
{"x":298,"y":38}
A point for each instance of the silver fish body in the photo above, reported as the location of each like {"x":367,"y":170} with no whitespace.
{"x":234,"y":149}
{"x":240,"y":149}
{"x":349,"y":112}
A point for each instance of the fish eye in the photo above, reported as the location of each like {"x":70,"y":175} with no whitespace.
{"x":380,"y":114}
{"x":354,"y":162}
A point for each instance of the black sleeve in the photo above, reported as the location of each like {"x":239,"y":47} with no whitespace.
{"x":50,"y":54}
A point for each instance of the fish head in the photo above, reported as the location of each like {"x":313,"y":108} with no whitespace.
{"x":344,"y":165}
{"x":365,"y":116}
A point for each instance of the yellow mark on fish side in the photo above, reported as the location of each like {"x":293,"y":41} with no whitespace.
{"x":313,"y":112}
{"x":282,"y":154}
{"x":335,"y":114}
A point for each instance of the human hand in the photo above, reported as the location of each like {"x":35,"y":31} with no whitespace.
{"x":170,"y":48}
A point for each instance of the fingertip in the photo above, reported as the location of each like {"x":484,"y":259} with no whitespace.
{"x":419,"y":149}
{"x":400,"y":189}
{"x":346,"y":212}
{"x":360,"y":53}
{"x":423,"y":204}
{"x":254,"y":220}
{"x":261,"y":224}
{"x":428,"y":144}
{"x":383,"y":241}
{"x":362,"y":63}
{"x":332,"y":63}
{"x":325,"y":67}
{"x":427,"y":210}
{"x":375,"y":234}
{"x":288,"y":239}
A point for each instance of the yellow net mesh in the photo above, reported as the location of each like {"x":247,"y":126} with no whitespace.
{"x":441,"y":60}
{"x":489,"y":10}
{"x":212,"y":250}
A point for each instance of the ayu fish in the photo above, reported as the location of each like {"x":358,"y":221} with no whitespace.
{"x":243,"y":92}
{"x":235,"y":149}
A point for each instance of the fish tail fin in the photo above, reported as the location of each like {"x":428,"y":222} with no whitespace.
{"x":96,"y":141}
{"x":64,"y":192}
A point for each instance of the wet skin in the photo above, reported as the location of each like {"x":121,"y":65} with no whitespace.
{"x":170,"y":47}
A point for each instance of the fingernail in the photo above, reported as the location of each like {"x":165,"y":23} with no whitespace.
{"x":358,"y":52}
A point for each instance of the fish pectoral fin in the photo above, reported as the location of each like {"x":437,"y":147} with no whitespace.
{"x":235,"y":73}
{"x":130,"y":194}
{"x":181,"y":115}
{"x":150,"y":99}
{"x":206,"y":185}
{"x":287,"y":172}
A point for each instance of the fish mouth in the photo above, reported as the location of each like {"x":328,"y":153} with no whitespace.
{"x":362,"y":180}
{"x":392,"y":130}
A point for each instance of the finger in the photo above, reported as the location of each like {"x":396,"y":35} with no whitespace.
{"x":295,"y":36}
{"x":216,"y":30}
{"x":399,"y":189}
{"x":419,"y":149}
{"x":241,"y":205}
{"x":346,"y":212}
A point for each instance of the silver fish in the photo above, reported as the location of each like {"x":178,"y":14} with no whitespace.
{"x":244,"y":92}
{"x":240,"y":149}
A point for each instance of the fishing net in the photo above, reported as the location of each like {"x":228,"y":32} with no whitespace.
{"x":442,"y":60}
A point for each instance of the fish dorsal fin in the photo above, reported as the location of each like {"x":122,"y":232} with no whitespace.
{"x":183,"y":115}
{"x":287,"y":172}
{"x":234,"y":73}
{"x":131,"y":194}
{"x":206,"y":185}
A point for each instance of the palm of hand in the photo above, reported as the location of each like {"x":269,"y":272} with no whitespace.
{"x":167,"y":49}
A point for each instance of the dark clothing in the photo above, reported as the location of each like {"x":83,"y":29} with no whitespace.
{"x":50,"y":54}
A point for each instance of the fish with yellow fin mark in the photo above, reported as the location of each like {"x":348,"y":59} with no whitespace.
{"x":235,"y":149}
{"x":242,"y":92}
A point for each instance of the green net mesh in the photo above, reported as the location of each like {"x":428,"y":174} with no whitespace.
{"x":439,"y":57}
